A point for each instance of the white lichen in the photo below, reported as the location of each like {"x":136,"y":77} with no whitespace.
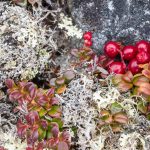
{"x":70,"y":29}
{"x":25,"y":42}
{"x":79,"y":112}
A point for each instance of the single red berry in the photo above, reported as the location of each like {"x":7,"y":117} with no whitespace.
{"x":87,"y":36}
{"x":116,"y":67}
{"x":129,"y":52}
{"x":112,"y":49}
{"x":88,"y":43}
{"x":143,"y":46}
{"x":133,"y":66}
{"x":143,"y":57}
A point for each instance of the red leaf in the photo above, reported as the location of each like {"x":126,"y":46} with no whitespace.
{"x":2,"y":148}
{"x":66,"y":136}
{"x":63,"y":146}
{"x":21,"y":129}
{"x":34,"y":135}
{"x":52,"y":142}
{"x":32,"y":91}
{"x":29,"y":148}
{"x":55,"y":131}
{"x":50,"y":92}
{"x":54,"y":101}
{"x":32,"y":117}
{"x":42,"y":100}
{"x":146,"y":73}
{"x":9,"y":83}
{"x":15,"y":95}
{"x":44,"y":124}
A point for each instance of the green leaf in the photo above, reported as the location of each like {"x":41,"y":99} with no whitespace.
{"x":141,"y":107}
{"x":42,"y":133}
{"x":115,"y":107}
{"x":148,"y":116}
{"x":117,"y":79}
{"x":42,"y":112}
{"x":74,"y":129}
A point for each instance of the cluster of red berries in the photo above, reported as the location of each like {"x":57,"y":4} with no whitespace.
{"x":130,"y":56}
{"x":87,"y":36}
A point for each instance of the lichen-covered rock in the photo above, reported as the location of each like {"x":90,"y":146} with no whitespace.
{"x":122,"y":20}
{"x":25,"y":43}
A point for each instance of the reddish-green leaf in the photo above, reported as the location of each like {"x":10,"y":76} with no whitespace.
{"x":128,"y":76}
{"x":124,"y":86}
{"x":139,"y":80}
{"x":117,"y":79}
{"x":21,"y":129}
{"x":42,"y":100}
{"x":144,"y":88}
{"x":42,"y":133}
{"x":55,"y":111}
{"x":146,"y":73}
{"x":120,"y":118}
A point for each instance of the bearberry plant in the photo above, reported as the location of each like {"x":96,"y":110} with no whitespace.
{"x":42,"y":125}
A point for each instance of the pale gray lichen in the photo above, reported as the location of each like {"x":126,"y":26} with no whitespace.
{"x":71,"y":30}
{"x":25,"y":42}
{"x":79,"y":111}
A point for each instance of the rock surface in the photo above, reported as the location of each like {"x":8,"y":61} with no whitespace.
{"x":122,"y":20}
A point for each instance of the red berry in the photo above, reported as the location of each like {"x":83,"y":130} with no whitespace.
{"x":87,"y":36}
{"x":88,"y":43}
{"x":117,"y":67}
{"x":143,"y":57}
{"x":143,"y":46}
{"x":133,"y":66}
{"x":129,"y":52}
{"x":112,"y":49}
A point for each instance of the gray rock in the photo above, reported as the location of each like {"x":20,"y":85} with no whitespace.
{"x":122,"y":20}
